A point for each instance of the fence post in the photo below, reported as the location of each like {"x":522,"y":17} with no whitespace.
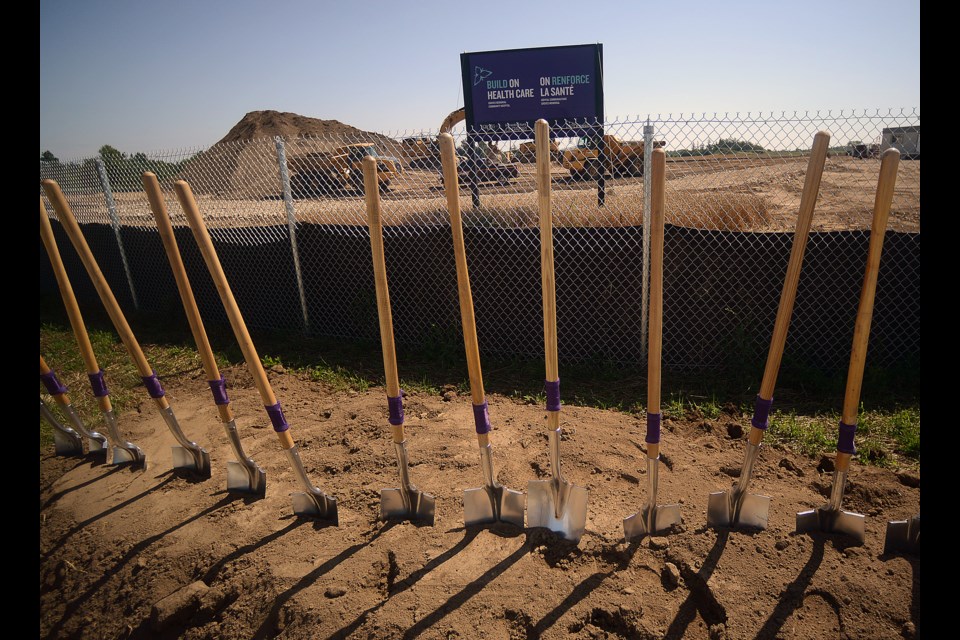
{"x":115,"y":224}
{"x":292,"y":226}
{"x":647,"y":197}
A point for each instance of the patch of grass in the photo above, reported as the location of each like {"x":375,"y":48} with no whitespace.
{"x":884,"y":438}
{"x":682,"y":406}
{"x":807,"y":434}
{"x":339,"y":378}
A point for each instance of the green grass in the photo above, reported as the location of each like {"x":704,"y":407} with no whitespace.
{"x":807,"y":401}
{"x":884,"y":438}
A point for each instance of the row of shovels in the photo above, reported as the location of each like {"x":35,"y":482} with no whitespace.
{"x":556,"y":503}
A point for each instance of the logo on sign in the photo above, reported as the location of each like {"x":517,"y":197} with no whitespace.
{"x":480,"y":74}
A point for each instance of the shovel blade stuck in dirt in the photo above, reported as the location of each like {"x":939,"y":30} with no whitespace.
{"x":724,"y":509}
{"x":492,"y":502}
{"x":903,"y":536}
{"x":193,"y":461}
{"x":407,"y":504}
{"x":189,"y":456}
{"x":66,"y":441}
{"x":559,"y":506}
{"x":832,"y":521}
{"x":737,"y":507}
{"x":664,"y":516}
{"x":244,"y":481}
{"x":830,"y":518}
{"x":485,"y":505}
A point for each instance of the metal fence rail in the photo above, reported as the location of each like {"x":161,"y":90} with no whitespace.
{"x":288,"y":218}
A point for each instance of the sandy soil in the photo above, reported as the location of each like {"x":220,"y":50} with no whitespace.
{"x":737,"y":194}
{"x":153,"y":554}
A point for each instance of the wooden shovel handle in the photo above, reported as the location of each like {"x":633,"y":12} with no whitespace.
{"x":159,"y":208}
{"x":452,"y":188}
{"x":66,"y":292}
{"x":69,"y":222}
{"x":372,"y":195}
{"x":200,"y":233}
{"x":44,"y":368}
{"x":808,"y":202}
{"x":655,"y":336}
{"x":547,"y":276}
{"x":70,"y":302}
{"x":861,"y":331}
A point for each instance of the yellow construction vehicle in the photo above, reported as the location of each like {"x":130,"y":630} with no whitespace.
{"x":622,"y":158}
{"x":331,"y":172}
{"x":527,"y":152}
{"x":422,"y":153}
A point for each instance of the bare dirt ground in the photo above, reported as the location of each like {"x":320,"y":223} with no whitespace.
{"x":726,"y":193}
{"x":152,"y":554}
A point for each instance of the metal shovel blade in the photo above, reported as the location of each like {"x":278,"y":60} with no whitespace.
{"x":315,"y":505}
{"x":245,"y":481}
{"x":411,"y":504}
{"x":640,"y":524}
{"x":559,"y":506}
{"x":67,"y":443}
{"x":97,"y":447}
{"x":131,"y":455}
{"x":832,"y":521}
{"x":722,"y":510}
{"x":484,"y":505}
{"x":903,"y":536}
{"x":196,"y":461}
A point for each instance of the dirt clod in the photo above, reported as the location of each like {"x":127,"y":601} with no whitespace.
{"x":670,"y":576}
{"x":734,"y":430}
{"x":659,"y":542}
{"x":334,"y":591}
{"x":789,"y":465}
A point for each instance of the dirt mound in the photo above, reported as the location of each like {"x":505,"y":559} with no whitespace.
{"x":151,"y":554}
{"x":267,"y":124}
{"x":243,"y":164}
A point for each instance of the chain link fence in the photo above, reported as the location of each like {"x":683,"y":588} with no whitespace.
{"x":288,"y":218}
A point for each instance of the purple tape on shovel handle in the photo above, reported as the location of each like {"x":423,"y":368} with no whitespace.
{"x":153,"y":386}
{"x":98,"y":384}
{"x":52,"y":383}
{"x":481,"y":418}
{"x":396,"y":410}
{"x":761,"y":413}
{"x":276,"y":417}
{"x":219,"y":390}
{"x":653,"y":427}
{"x":845,"y":441}
{"x":553,"y":394}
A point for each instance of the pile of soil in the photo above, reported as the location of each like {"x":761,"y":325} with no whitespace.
{"x":138,"y":554}
{"x":243,"y":164}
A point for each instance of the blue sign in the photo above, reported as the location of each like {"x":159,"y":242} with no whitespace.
{"x":505,"y":92}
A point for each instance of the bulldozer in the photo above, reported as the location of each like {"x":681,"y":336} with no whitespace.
{"x":330,"y":172}
{"x":527,"y":152}
{"x":422,"y":152}
{"x":622,"y":158}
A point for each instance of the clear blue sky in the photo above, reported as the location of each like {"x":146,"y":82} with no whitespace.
{"x":146,"y":76}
